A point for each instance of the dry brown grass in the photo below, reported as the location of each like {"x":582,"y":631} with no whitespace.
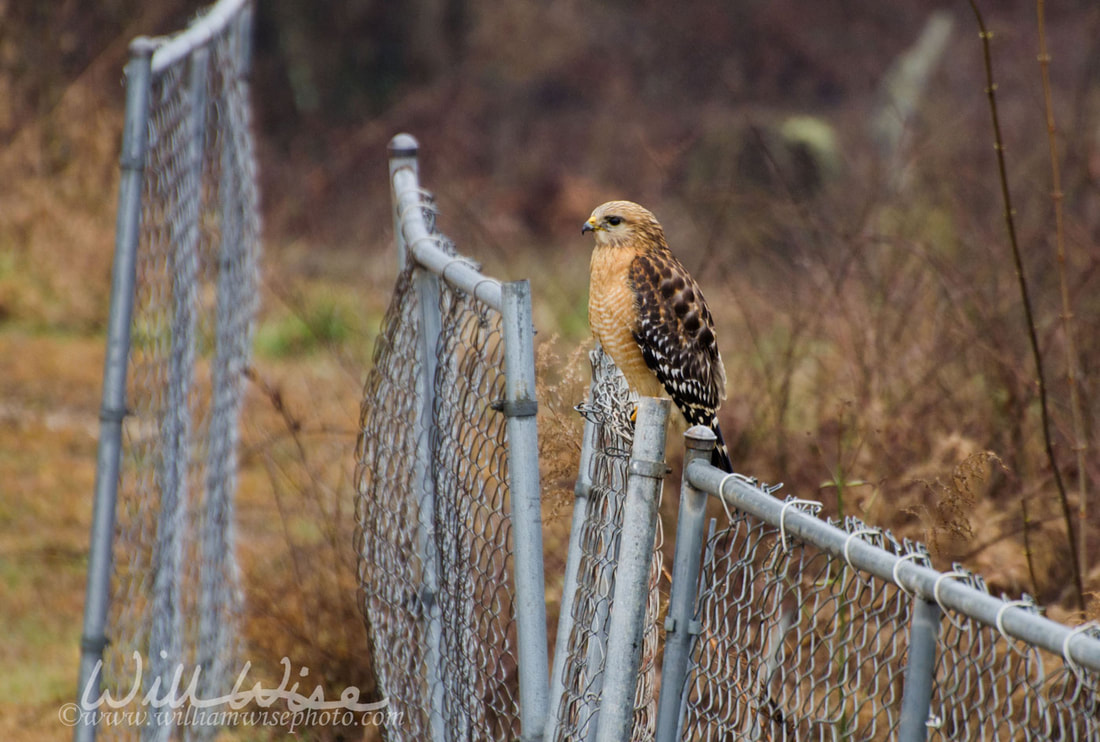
{"x":56,"y":232}
{"x":48,"y":421}
{"x":561,"y":383}
{"x":297,"y":521}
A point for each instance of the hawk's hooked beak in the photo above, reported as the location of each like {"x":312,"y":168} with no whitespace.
{"x":589,"y":226}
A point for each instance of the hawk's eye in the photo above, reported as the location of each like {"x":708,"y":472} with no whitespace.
{"x":614,"y":221}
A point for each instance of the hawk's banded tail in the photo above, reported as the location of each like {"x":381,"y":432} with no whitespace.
{"x":720,"y":456}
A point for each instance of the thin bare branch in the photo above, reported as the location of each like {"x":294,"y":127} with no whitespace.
{"x":1025,"y":295}
{"x":1080,"y":439}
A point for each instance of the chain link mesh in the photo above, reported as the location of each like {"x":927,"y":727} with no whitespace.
{"x":436,"y":583}
{"x":609,"y":407}
{"x":989,"y":686}
{"x":797,"y":645}
{"x":387,"y":512}
{"x":175,"y":589}
{"x":479,"y":653}
{"x":794,"y":645}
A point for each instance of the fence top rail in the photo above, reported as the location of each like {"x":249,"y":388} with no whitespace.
{"x":170,"y":50}
{"x":1076,"y":647}
{"x":423,"y":244}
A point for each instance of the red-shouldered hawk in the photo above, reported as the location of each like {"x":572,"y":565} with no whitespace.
{"x":651,"y":318}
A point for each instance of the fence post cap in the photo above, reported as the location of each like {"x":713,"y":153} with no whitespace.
{"x":143,"y":46}
{"x":700,"y":437}
{"x":403,"y":145}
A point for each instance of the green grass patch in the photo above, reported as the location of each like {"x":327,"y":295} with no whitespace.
{"x":316,"y":324}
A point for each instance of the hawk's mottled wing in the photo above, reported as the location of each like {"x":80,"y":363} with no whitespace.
{"x":675,"y":333}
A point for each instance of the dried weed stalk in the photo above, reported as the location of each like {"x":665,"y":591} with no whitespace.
{"x":559,"y":386}
{"x":954,"y":500}
{"x":1080,"y":442}
{"x":1025,"y":295}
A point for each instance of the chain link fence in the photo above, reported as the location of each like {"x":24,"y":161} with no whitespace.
{"x":792,"y":644}
{"x":392,"y":562}
{"x":779,"y":626}
{"x":782,"y":626}
{"x":447,"y":475}
{"x":163,"y":586}
{"x":805,"y":629}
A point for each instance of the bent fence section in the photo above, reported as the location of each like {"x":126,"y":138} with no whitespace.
{"x":449,"y":533}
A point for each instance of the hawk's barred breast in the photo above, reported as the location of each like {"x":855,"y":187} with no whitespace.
{"x":612,"y":316}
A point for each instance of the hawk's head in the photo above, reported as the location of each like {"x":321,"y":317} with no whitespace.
{"x":623,"y":223}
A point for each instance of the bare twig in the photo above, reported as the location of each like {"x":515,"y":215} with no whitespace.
{"x":1010,"y":224}
{"x":1080,"y":443}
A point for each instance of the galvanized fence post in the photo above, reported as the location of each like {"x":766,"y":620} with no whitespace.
{"x":403,"y":149}
{"x":113,"y":407}
{"x":520,"y":408}
{"x":403,"y":155}
{"x":582,"y":491}
{"x":646,"y":472}
{"x":681,"y":625}
{"x":920,"y":671}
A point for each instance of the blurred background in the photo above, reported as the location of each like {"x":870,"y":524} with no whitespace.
{"x":826,"y":170}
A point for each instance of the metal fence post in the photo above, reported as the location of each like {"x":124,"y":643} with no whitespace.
{"x":113,"y":409}
{"x":403,"y":155}
{"x":647,"y":469}
{"x":582,"y":490}
{"x":523,"y":468}
{"x":681,"y":626}
{"x":920,"y":671}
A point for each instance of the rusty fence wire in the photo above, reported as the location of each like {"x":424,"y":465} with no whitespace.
{"x":163,"y":595}
{"x":448,"y":522}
